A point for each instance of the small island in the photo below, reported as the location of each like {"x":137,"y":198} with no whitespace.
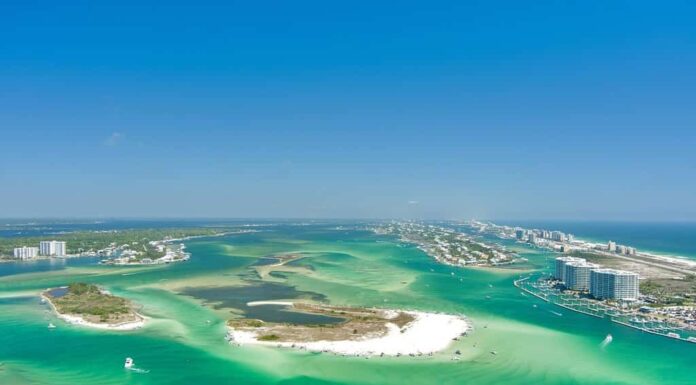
{"x":88,"y":305}
{"x":359,"y":332}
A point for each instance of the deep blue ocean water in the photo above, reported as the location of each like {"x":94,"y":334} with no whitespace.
{"x":675,"y":238}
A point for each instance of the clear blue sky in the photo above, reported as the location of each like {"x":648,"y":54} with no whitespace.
{"x":543,"y":110}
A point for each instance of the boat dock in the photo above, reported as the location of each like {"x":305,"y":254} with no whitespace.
{"x":545,"y":292}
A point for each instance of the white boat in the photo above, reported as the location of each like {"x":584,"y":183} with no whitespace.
{"x":608,"y":338}
{"x":673,"y":335}
{"x":51,"y":325}
{"x":129,"y":363}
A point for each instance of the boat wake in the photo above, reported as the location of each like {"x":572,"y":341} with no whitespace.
{"x":130,"y":365}
{"x":607,"y":340}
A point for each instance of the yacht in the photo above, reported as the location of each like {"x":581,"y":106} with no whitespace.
{"x":129,"y":363}
{"x":51,"y":325}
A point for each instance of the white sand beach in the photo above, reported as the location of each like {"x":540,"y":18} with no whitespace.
{"x":124,"y":326}
{"x":261,"y":303}
{"x":428,"y":333}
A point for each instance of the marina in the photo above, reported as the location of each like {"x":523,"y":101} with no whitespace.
{"x":541,"y":289}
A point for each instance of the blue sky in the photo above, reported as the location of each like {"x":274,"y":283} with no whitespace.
{"x":548,"y":110}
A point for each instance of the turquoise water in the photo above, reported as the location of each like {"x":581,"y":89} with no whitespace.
{"x":188,"y":304}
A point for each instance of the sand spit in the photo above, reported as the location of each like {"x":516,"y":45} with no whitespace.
{"x":423,"y":334}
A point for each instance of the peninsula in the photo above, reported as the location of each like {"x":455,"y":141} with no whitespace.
{"x":449,"y":246}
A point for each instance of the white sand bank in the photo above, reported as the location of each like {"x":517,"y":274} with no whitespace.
{"x":428,"y":333}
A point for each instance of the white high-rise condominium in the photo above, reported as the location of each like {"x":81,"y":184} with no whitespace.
{"x":26,"y":252}
{"x":613,"y":284}
{"x":60,"y":248}
{"x":51,"y":248}
{"x":560,"y":272}
{"x":577,"y":275}
{"x":46,"y":248}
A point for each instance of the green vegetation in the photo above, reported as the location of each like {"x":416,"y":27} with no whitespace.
{"x":243,"y":322}
{"x":91,"y":241}
{"x":269,"y":337}
{"x":592,"y":257}
{"x":87,"y":300}
{"x":671,"y":292}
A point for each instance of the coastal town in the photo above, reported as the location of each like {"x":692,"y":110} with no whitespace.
{"x":133,"y":253}
{"x":114,"y":247}
{"x":449,"y":246}
{"x":150,"y":253}
{"x":638,"y":289}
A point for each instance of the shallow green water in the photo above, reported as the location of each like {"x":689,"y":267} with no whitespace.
{"x":184,"y":341}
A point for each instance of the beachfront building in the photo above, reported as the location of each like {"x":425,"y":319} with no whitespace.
{"x":52,"y":248}
{"x":577,"y":275}
{"x":558,"y":236}
{"x":561,"y":262}
{"x":614,"y":284}
{"x":26,"y":252}
{"x":532,"y":238}
{"x":611,"y":246}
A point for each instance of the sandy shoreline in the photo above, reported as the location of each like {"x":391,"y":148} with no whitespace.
{"x":428,"y":333}
{"x":77,"y":320}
